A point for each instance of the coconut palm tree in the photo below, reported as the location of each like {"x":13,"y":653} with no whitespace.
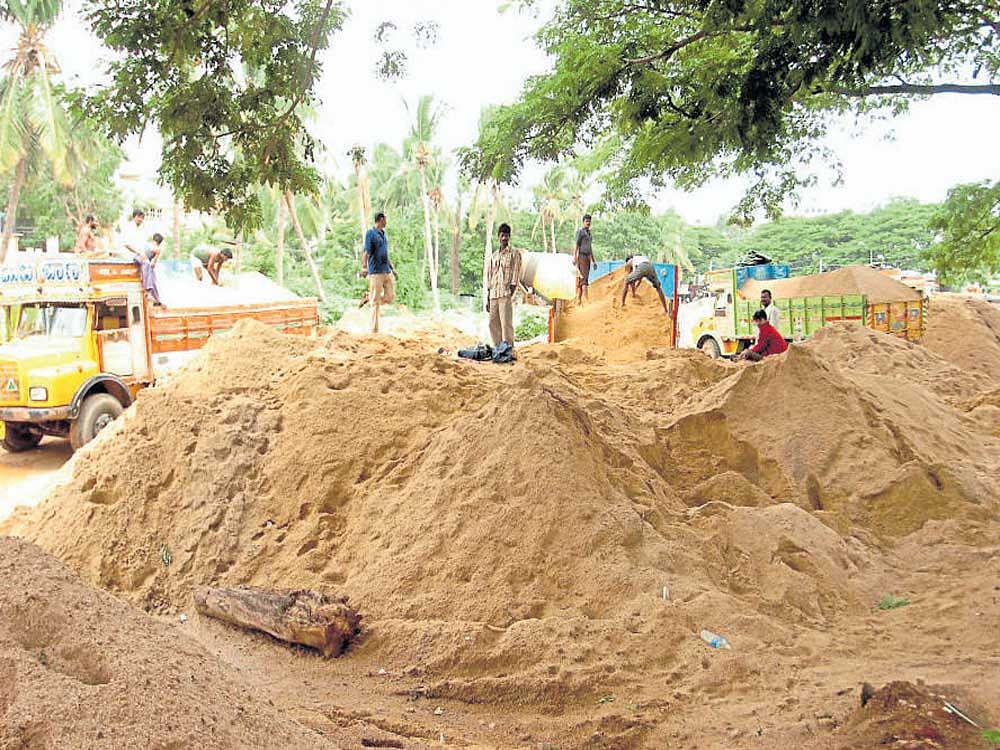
{"x":33,"y":122}
{"x":364,"y":200}
{"x":419,"y":152}
{"x":551,"y":196}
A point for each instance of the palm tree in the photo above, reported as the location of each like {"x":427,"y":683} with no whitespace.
{"x":33,"y":123}
{"x":364,"y":199}
{"x":306,"y":247}
{"x":550,"y":197}
{"x":419,"y":152}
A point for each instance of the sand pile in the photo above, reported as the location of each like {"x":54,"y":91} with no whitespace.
{"x":616,"y":334}
{"x":850,"y":280}
{"x":539,"y":532}
{"x":885,"y":454}
{"x":79,"y":668}
{"x":965,"y":332}
{"x":482,"y":518}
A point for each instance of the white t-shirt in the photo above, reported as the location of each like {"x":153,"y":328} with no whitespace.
{"x":134,"y":236}
{"x":773,"y":315}
{"x":638,"y":260}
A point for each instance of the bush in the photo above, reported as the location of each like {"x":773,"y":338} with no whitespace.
{"x":531,"y":326}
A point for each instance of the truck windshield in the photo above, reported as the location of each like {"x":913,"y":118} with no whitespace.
{"x":52,"y":321}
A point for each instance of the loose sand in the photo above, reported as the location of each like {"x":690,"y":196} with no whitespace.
{"x":537,"y":547}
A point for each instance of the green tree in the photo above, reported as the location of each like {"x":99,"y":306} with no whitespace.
{"x":181,"y":64}
{"x":698,"y":89}
{"x":53,"y":210}
{"x":34,"y":127}
{"x":969,"y":239}
{"x":420,"y":155}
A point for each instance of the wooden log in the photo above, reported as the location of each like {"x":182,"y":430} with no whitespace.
{"x":305,"y":617}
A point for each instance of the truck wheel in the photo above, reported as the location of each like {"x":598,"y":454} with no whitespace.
{"x":18,"y":438}
{"x":711,"y":348}
{"x":98,"y":411}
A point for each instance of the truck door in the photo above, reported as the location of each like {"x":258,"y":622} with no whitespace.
{"x":114,"y":337}
{"x":137,"y":328}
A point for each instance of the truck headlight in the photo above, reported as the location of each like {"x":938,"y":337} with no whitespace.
{"x":38,"y":394}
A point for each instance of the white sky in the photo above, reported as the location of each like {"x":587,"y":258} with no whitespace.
{"x":483,"y":57}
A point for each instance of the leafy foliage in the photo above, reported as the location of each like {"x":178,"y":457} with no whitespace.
{"x":892,"y":602}
{"x":183,"y":64}
{"x":530,"y":327}
{"x":699,"y":89}
{"x":969,"y":226}
{"x":49,"y":209}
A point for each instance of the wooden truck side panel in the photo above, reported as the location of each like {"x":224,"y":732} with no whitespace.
{"x":181,"y":330}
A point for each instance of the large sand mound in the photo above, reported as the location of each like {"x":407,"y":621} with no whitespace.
{"x":965,"y":332}
{"x":79,"y":668}
{"x":615,"y":333}
{"x":542,"y":531}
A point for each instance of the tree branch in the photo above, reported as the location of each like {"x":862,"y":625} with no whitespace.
{"x":916,"y":89}
{"x":669,"y":51}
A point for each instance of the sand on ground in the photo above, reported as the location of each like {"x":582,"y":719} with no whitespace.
{"x":535,"y":548}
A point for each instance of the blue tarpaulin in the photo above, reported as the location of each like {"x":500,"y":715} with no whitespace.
{"x":666,"y":272}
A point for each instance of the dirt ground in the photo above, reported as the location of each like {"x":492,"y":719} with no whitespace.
{"x":26,"y":478}
{"x":534,"y":549}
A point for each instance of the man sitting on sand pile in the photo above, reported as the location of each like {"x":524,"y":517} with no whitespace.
{"x":639,"y":268}
{"x":769,"y":340}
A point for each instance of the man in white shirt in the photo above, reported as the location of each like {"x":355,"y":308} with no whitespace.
{"x":773,"y":313}
{"x":134,"y":239}
{"x":639,"y":268}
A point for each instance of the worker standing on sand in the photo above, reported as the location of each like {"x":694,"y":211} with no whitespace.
{"x":147,"y":260}
{"x":640,"y":267}
{"x":504,"y":278}
{"x":134,"y":239}
{"x":769,"y":341}
{"x":584,"y":260}
{"x":375,"y":264}
{"x":211,"y":261}
{"x":773,"y":313}
{"x":86,"y":237}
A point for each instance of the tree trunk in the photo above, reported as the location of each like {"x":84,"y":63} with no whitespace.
{"x":305,"y":247}
{"x":552,"y":225}
{"x":456,"y":249}
{"x":10,"y":218}
{"x":239,"y":253}
{"x":437,"y":243}
{"x":178,"y":208}
{"x":491,"y":217}
{"x":279,"y":251}
{"x":363,"y":207}
{"x":429,"y":240}
{"x":304,"y":617}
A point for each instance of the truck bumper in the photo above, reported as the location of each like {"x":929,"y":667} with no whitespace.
{"x":27,"y":414}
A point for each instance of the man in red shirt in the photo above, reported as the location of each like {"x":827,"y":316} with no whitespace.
{"x":769,"y":341}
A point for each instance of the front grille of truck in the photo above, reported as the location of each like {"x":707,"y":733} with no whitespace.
{"x":10,"y":386}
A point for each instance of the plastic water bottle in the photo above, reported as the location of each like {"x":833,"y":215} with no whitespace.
{"x":715,"y":641}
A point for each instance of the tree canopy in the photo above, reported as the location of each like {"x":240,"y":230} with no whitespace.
{"x":183,"y":65}
{"x":696,"y":89}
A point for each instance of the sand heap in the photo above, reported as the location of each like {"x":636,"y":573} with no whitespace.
{"x":828,"y":428}
{"x":616,"y":334}
{"x":79,"y":668}
{"x":539,"y":531}
{"x":965,"y":332}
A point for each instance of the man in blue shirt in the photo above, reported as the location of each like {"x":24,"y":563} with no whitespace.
{"x":378,"y":268}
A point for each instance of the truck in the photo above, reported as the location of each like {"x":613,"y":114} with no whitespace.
{"x":721,"y":323}
{"x":80,"y":338}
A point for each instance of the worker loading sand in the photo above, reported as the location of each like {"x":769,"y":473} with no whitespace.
{"x":615,"y":333}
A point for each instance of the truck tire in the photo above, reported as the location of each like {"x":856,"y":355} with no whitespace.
{"x":98,"y":411}
{"x":711,"y":347}
{"x":18,"y":438}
